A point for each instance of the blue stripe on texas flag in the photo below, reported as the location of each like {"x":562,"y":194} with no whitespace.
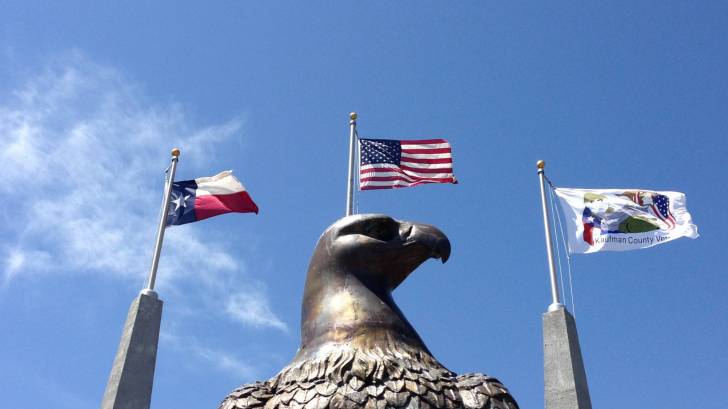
{"x":181,"y":208}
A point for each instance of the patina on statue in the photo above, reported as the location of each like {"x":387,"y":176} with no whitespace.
{"x":357,"y":348}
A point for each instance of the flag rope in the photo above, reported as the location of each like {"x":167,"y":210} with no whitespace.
{"x":162,"y":210}
{"x":566,"y":249}
{"x":568,"y":263}
{"x":556,"y":234}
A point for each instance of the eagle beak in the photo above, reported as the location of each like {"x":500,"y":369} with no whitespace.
{"x":443,"y":250}
{"x":431,"y":237}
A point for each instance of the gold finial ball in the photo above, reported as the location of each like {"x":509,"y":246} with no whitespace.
{"x":540,"y":164}
{"x":175,"y":152}
{"x":353,"y":116}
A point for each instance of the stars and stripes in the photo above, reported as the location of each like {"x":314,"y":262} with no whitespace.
{"x":387,"y":164}
{"x":658,"y":204}
{"x":661,"y":208}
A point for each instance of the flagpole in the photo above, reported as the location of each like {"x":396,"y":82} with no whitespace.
{"x":132,"y":373}
{"x":352,"y":155}
{"x":555,"y":302}
{"x":565,"y":384}
{"x":162,"y":223}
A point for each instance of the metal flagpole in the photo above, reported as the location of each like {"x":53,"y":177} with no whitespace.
{"x":162,"y":223}
{"x":565,"y":384}
{"x":132,"y":373}
{"x":555,"y":302}
{"x":352,"y":156}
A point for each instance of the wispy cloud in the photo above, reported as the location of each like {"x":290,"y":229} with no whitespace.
{"x":221,"y":360}
{"x":82,"y":150}
{"x":19,"y":260}
{"x":252,"y":308}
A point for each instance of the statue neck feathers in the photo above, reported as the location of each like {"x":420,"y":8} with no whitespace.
{"x":339,"y":308}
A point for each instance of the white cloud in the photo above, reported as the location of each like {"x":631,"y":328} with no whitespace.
{"x":222,"y":360}
{"x":252,"y":308}
{"x":82,"y":154}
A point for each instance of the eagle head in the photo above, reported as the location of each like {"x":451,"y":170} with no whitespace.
{"x":357,"y":263}
{"x":379,"y":250}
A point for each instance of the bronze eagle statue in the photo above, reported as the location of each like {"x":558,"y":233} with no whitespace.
{"x":357,"y":348}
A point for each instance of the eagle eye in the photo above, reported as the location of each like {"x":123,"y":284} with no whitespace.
{"x":381,"y":230}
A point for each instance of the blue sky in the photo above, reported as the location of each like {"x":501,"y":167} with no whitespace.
{"x":93,"y":96}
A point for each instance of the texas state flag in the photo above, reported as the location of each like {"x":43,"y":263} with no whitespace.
{"x":193,"y":200}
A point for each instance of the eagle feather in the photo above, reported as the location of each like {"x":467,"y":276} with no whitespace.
{"x":377,"y":370}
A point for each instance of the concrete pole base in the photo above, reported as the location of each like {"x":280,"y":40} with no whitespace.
{"x":565,"y":385}
{"x":132,"y":376}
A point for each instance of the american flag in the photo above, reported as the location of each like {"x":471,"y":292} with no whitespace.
{"x":388,"y":164}
{"x":661,"y":208}
{"x":659,"y":204}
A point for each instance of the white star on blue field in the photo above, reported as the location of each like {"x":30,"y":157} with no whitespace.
{"x":93,"y":95}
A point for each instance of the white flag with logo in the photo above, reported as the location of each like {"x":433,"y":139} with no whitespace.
{"x":623,"y":219}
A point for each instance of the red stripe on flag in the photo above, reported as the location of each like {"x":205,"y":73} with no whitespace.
{"x":394,"y":185}
{"x":375,"y":170}
{"x":212,"y":205}
{"x":421,"y":141}
{"x":420,"y":160}
{"x":428,"y":150}
{"x":378,"y":171}
{"x":402,"y":170}
{"x":404,"y":179}
{"x":383,"y":187}
{"x":588,"y":237}
{"x":426,"y":170}
{"x":669,"y":220}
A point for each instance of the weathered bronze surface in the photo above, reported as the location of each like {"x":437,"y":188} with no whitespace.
{"x":357,"y":348}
